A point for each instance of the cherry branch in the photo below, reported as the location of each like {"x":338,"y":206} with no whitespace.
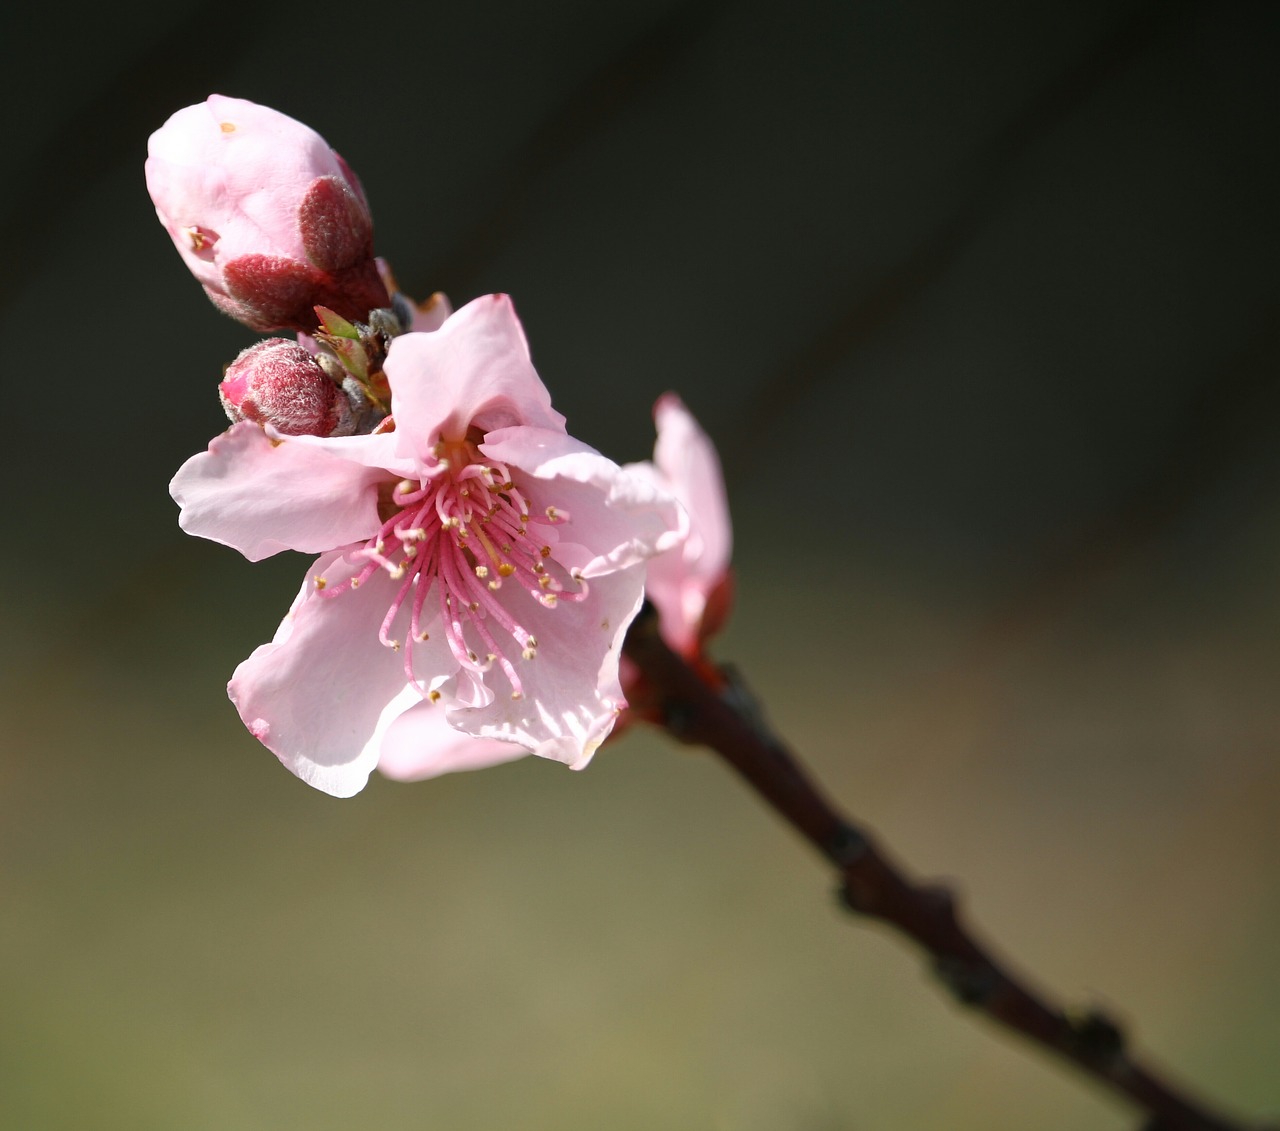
{"x":699,"y":704}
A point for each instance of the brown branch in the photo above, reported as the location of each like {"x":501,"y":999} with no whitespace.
{"x":697,"y":706}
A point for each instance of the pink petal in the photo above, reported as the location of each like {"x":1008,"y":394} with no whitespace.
{"x":322,"y":693}
{"x":571,"y":691}
{"x":474,"y":370}
{"x":261,"y":495}
{"x":421,"y":744}
{"x":374,"y":451}
{"x":688,"y":461}
{"x":617,"y":516}
{"x":680,"y":581}
{"x":431,"y":314}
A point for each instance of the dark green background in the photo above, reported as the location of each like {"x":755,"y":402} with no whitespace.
{"x":979,"y":301}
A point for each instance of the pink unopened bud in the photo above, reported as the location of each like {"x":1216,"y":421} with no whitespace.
{"x":268,"y":218}
{"x":277,"y":382}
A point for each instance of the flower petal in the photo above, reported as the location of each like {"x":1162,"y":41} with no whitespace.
{"x":421,"y":744}
{"x":261,"y":495}
{"x":473,"y":370}
{"x":373,"y":451}
{"x":322,"y":693}
{"x":617,"y":516}
{"x":571,"y":691}
{"x":688,"y":461}
{"x":680,"y":581}
{"x":430,"y":314}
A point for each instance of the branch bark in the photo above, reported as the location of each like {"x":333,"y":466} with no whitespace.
{"x":698,"y":704}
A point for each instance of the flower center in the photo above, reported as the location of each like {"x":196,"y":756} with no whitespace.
{"x":462,"y":531}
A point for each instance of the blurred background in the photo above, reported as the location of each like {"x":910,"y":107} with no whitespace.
{"x":980,"y":303}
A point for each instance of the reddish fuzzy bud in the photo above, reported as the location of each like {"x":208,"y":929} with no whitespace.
{"x":277,"y":382}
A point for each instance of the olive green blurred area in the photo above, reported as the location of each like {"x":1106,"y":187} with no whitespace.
{"x":979,"y":302}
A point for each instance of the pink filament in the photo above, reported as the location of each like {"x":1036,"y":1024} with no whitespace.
{"x":464,"y":532}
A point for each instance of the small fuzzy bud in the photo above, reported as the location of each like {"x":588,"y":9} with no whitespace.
{"x":268,"y":218}
{"x":277,"y":382}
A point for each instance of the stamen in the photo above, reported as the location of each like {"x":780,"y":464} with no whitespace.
{"x":459,"y":529}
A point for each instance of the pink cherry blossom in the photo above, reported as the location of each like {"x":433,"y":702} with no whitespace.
{"x":478,"y":568}
{"x":269,"y":219}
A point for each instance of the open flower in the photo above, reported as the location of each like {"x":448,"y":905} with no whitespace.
{"x":268,"y":218}
{"x":478,"y":565}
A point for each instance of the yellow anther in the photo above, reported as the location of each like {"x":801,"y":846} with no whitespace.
{"x":434,"y":696}
{"x":321,"y":582}
{"x":506,"y":569}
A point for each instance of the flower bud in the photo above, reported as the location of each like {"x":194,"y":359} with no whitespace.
{"x":277,"y":382}
{"x":269,"y":219}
